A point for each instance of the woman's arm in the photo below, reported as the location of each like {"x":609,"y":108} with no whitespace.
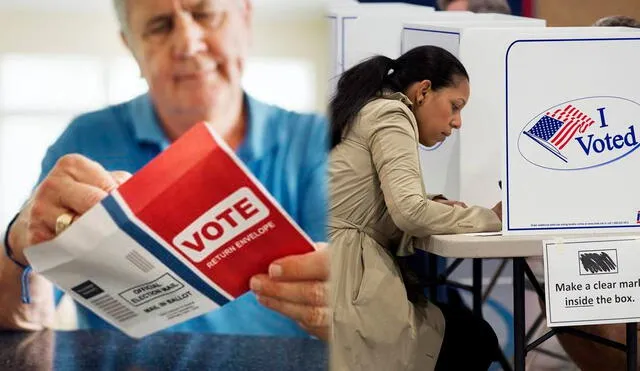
{"x":394,"y":149}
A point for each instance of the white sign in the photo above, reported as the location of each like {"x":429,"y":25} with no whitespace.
{"x":569,"y":139}
{"x":592,"y":281}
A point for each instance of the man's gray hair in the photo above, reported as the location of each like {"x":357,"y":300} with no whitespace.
{"x":481,"y":6}
{"x":617,"y":21}
{"x":121,"y":12}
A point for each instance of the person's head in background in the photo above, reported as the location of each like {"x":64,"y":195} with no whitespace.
{"x":617,"y":21}
{"x":476,"y":6}
{"x":191,"y":53}
{"x":432,"y":78}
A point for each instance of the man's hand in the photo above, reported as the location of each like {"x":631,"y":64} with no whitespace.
{"x":297,"y":286}
{"x":74,"y":185}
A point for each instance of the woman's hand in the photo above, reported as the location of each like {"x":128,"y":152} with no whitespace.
{"x":498,"y":209}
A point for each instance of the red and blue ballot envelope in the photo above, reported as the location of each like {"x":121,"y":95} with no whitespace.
{"x":180,"y":238}
{"x":197,"y":205}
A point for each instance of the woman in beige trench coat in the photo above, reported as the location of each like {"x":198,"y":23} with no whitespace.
{"x":380,"y":210}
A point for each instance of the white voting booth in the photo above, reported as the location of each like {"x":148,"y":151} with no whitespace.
{"x":352,"y":38}
{"x":539,"y":97}
{"x":454,"y":167}
{"x":360,"y":31}
{"x":571,"y":131}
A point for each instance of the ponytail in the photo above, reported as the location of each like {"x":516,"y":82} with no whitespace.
{"x":356,"y":87}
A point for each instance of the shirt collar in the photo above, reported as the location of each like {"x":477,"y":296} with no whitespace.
{"x":390,"y":94}
{"x":146,"y":125}
{"x":257,"y":142}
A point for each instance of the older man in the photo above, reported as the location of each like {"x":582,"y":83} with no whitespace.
{"x":191,"y":53}
{"x":476,"y":6}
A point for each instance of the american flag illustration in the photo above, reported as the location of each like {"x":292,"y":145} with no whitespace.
{"x":556,"y":129}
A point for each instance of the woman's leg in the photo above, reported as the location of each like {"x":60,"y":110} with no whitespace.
{"x":469,"y":343}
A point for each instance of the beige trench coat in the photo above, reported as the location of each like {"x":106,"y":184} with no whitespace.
{"x":378,"y":201}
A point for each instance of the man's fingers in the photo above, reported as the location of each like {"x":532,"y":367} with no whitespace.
{"x":296,"y":287}
{"x":73,"y":186}
{"x":309,"y":292}
{"x":321,"y":332}
{"x":79,"y":197}
{"x":39,"y":231}
{"x":313,"y":319}
{"x":306,"y":267}
{"x":308,"y":316}
{"x":84,"y":170}
{"x":43,"y":216}
{"x":120,"y":176}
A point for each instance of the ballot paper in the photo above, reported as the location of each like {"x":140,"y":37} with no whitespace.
{"x":180,"y":238}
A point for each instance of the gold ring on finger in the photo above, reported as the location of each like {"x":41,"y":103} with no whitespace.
{"x":63,"y":222}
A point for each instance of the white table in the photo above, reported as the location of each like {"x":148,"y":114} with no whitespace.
{"x":517,"y":248}
{"x":492,"y":245}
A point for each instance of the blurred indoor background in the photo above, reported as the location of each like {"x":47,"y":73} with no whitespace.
{"x":60,"y":58}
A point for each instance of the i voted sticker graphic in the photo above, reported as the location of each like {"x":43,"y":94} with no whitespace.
{"x":581,"y":134}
